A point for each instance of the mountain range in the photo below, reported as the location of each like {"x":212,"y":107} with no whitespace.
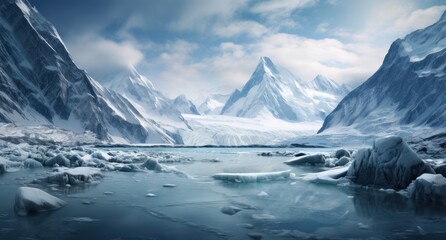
{"x":407,"y":90}
{"x":40,"y":84}
{"x":273,"y":91}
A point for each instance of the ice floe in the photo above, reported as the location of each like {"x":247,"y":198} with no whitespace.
{"x":30,"y":201}
{"x":317,"y":159}
{"x":253,"y":177}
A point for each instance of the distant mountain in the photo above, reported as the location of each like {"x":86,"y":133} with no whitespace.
{"x":407,"y":90}
{"x":184,"y":105}
{"x":213,"y":104}
{"x":272,"y":91}
{"x":324,"y":84}
{"x":40,"y":84}
{"x":150,"y":102}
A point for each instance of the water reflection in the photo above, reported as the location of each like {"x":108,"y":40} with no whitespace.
{"x":375,"y":204}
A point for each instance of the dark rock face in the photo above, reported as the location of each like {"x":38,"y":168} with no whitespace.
{"x":390,"y":163}
{"x":39,"y":83}
{"x":405,"y":89}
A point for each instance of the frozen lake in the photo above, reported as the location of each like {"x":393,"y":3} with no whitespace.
{"x":281,"y":209}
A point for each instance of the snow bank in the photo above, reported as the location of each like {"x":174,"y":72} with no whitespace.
{"x":390,"y":163}
{"x":74,"y":176}
{"x":253,"y":177}
{"x":30,"y":201}
{"x":307,"y":160}
{"x":428,"y":188}
{"x":332,"y":176}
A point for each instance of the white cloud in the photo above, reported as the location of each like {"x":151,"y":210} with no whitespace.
{"x":277,"y":13}
{"x":99,"y":55}
{"x":284,"y":7}
{"x":322,"y":27}
{"x":250,"y":28}
{"x":391,"y":20}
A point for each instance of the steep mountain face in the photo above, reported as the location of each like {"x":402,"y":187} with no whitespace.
{"x":184,"y":105}
{"x":274,"y":91}
{"x":151,"y":103}
{"x":408,"y":89}
{"x":213,"y":104}
{"x":40,"y":84}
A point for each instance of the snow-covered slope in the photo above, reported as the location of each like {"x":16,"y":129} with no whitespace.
{"x":40,"y":84}
{"x":213,"y":104}
{"x":407,"y":90}
{"x":184,"y":105}
{"x":274,"y":91}
{"x":151,"y":103}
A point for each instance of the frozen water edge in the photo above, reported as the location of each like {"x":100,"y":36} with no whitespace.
{"x":202,"y":194}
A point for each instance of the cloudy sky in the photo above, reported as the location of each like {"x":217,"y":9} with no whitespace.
{"x":197,"y":47}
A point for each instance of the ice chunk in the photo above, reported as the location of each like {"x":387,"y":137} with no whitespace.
{"x":342,"y":153}
{"x":74,"y":176}
{"x":263,"y":194}
{"x":332,"y":176}
{"x":428,"y":188}
{"x":342,"y":161}
{"x":60,"y":160}
{"x":390,"y":163}
{"x":81,"y":219}
{"x":31,"y":163}
{"x":307,"y":160}
{"x":263,"y":216}
{"x":253,"y":177}
{"x":231,"y":210}
{"x":101,"y":155}
{"x":169,"y":185}
{"x":6,"y":164}
{"x":129,"y":168}
{"x":152,"y":164}
{"x":441,"y":169}
{"x":30,"y":201}
{"x":150,"y":195}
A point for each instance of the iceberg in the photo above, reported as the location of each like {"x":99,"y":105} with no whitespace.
{"x":253,"y":177}
{"x":30,"y":201}
{"x":307,"y":160}
{"x":332,"y":176}
{"x":74,"y":176}
{"x":428,"y":188}
{"x":390,"y":163}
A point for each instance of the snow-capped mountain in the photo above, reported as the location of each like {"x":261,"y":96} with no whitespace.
{"x":274,"y":91}
{"x":213,"y":104}
{"x":324,"y":84}
{"x":40,"y":84}
{"x":151,"y":103}
{"x":184,"y":105}
{"x":407,"y":90}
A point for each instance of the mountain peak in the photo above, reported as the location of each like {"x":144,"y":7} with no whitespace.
{"x":267,"y":66}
